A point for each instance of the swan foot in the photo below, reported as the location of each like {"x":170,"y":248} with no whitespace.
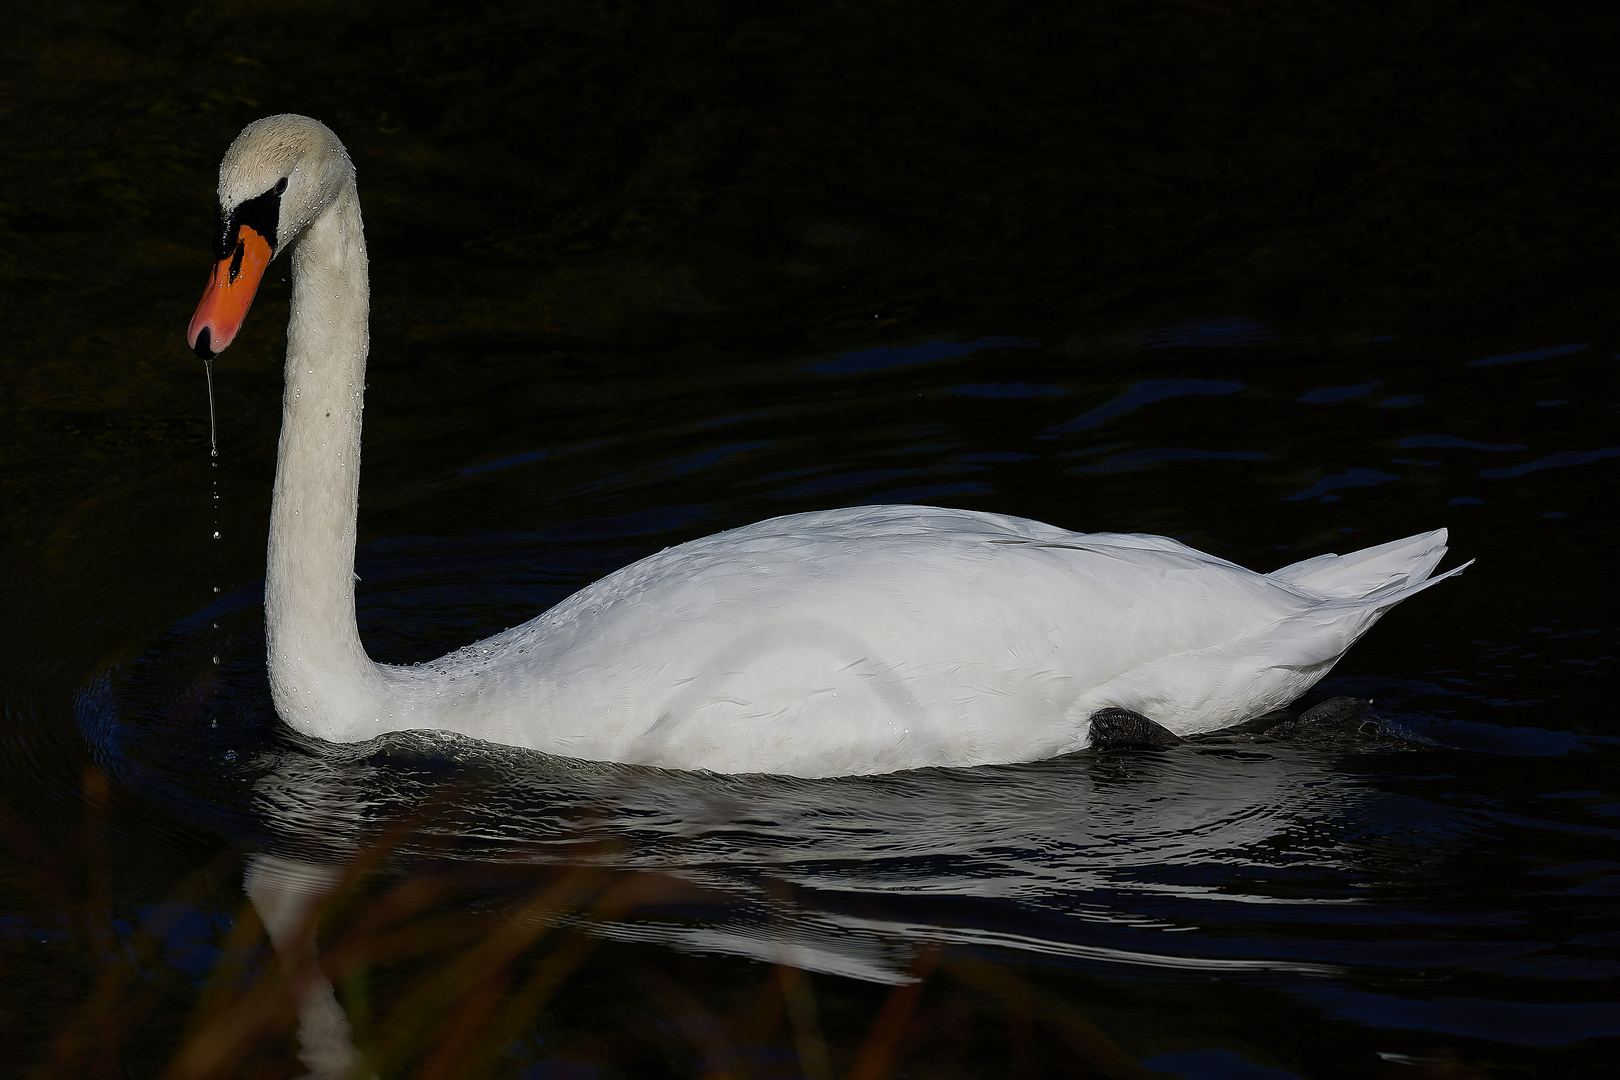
{"x":1337,"y":712}
{"x":1340,"y":722}
{"x":1121,"y":729}
{"x":1335,"y":716}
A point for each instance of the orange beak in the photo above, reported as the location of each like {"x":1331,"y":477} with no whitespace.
{"x":228,"y":294}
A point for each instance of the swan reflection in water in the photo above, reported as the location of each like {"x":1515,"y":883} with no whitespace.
{"x":1097,"y":859}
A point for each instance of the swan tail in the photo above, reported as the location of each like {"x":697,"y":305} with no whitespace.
{"x":1387,"y":573}
{"x":1273,"y":664}
{"x":1323,"y":631}
{"x":1356,"y":590}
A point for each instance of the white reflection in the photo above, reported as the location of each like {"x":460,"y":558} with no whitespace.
{"x":286,"y":894}
{"x":1100,"y":859}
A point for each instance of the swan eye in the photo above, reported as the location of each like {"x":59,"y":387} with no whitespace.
{"x":281,"y":185}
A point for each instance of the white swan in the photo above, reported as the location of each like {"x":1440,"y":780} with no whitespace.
{"x":863,"y":640}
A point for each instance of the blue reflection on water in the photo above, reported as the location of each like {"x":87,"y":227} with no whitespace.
{"x":1147,"y":393}
{"x":507,"y":462}
{"x":706,"y":458}
{"x":1413,"y":441}
{"x":526,"y":458}
{"x":1552,"y":461}
{"x":1352,"y":478}
{"x":1529,"y":354}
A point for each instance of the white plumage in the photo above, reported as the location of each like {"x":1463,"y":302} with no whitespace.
{"x":842,"y":642}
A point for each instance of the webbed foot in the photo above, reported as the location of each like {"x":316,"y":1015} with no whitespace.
{"x":1335,"y":716}
{"x":1337,"y":712}
{"x":1121,"y":729}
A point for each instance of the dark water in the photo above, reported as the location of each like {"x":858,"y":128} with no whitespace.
{"x":646,"y":274}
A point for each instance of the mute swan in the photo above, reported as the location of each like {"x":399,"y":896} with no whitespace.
{"x":863,"y":640}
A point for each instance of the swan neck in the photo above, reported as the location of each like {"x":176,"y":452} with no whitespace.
{"x":322,"y":681}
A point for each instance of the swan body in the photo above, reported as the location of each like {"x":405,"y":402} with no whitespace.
{"x":861,"y":640}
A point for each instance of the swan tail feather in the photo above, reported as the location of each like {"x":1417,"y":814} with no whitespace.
{"x":1399,"y":568}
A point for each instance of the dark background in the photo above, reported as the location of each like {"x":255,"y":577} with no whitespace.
{"x":595,"y":220}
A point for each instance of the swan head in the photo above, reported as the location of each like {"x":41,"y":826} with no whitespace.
{"x":277,"y":177}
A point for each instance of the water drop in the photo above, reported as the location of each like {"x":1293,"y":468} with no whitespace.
{"x":230,"y":755}
{"x":216,"y":588}
{"x":216,"y":534}
{"x":216,"y":659}
{"x":213,"y":430}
